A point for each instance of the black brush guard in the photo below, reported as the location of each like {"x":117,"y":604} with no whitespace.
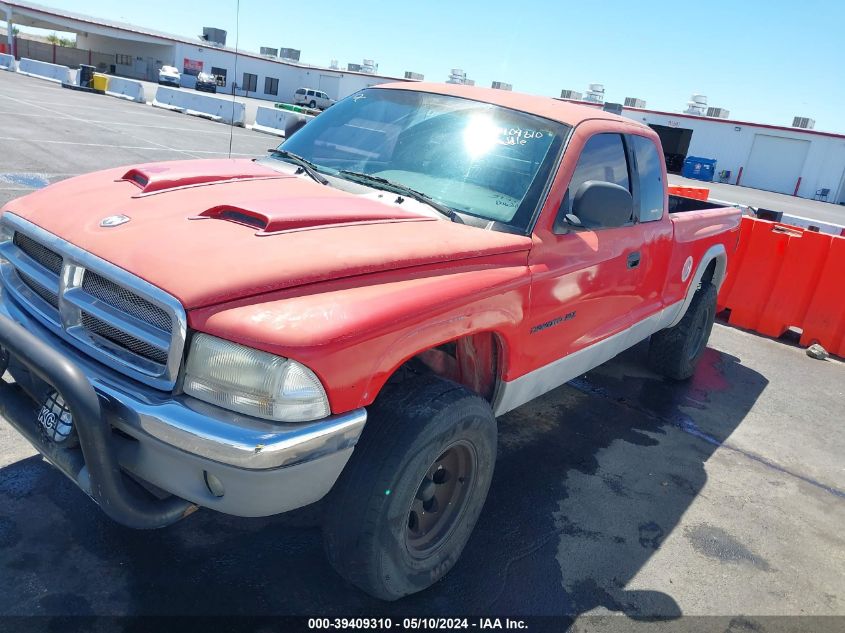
{"x":120,"y":498}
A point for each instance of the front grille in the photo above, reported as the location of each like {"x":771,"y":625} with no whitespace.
{"x":49,"y":259}
{"x":122,"y":339}
{"x":48,"y":295}
{"x":119,"y":297}
{"x":114,"y":317}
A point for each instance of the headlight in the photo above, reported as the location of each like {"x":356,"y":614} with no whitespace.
{"x":253,"y":382}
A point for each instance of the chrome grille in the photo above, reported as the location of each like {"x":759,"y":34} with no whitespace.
{"x":48,"y":295}
{"x":122,"y":339}
{"x":51,"y":260}
{"x":101,"y":309}
{"x":126,"y":300}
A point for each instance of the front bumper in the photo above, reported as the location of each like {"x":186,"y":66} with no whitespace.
{"x":175,"y":443}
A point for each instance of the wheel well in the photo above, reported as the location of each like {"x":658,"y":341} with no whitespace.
{"x":472,"y":361}
{"x":709,"y":272}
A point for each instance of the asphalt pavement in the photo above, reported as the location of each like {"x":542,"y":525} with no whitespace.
{"x":619,"y":494}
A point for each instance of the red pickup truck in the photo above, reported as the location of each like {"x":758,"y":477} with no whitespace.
{"x":346,"y":316}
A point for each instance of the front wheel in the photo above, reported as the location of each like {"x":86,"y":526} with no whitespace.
{"x":675,"y":351}
{"x":407,"y":501}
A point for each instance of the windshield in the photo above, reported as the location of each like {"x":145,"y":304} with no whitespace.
{"x":479,"y":159}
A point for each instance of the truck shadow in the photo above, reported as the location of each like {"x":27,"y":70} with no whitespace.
{"x":590,"y":480}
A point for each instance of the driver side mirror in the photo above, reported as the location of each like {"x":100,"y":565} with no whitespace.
{"x":602,"y":205}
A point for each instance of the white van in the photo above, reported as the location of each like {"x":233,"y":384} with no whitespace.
{"x":312,"y":98}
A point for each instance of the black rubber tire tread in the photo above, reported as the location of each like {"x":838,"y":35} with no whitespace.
{"x":668,"y":352}
{"x":408,"y":423}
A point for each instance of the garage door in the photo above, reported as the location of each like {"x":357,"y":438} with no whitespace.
{"x":775,"y":163}
{"x":330,"y":85}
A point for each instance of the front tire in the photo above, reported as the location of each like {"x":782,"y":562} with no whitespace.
{"x":675,"y":351}
{"x":407,"y":501}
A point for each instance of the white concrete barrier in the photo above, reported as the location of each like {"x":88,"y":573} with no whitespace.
{"x":275,"y":120}
{"x":7,"y":62}
{"x":43,"y":70}
{"x":196,"y":104}
{"x":125,"y":89}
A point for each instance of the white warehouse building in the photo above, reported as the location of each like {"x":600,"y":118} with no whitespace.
{"x":792,"y":160}
{"x":138,"y":52}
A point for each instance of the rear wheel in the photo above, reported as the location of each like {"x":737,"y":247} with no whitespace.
{"x":675,"y":351}
{"x":408,"y":499}
{"x":312,"y":104}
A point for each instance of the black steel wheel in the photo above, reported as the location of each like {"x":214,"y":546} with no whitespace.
{"x":405,"y":505}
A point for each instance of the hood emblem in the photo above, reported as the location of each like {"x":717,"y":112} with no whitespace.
{"x":114,"y":220}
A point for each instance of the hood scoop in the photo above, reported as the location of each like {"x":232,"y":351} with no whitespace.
{"x":159,"y":177}
{"x":299,"y":214}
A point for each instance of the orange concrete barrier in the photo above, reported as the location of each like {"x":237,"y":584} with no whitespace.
{"x":782,"y":277}
{"x":698,"y":193}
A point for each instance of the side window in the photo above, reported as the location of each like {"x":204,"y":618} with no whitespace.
{"x":603,"y":158}
{"x":650,"y":178}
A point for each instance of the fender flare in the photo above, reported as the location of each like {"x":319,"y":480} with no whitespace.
{"x":716,"y":252}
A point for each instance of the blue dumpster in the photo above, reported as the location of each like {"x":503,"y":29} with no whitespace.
{"x":699,"y":168}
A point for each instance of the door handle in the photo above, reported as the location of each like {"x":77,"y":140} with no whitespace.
{"x":634,"y":259}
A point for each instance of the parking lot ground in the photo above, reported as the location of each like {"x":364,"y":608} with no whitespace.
{"x":50,"y":133}
{"x":617,"y":494}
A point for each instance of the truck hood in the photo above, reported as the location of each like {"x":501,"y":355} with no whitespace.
{"x":211,"y":231}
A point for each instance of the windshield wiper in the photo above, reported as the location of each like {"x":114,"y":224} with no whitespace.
{"x":403,"y":190}
{"x":305,"y":165}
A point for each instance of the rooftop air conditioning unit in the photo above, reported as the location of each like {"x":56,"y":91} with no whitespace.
{"x":414,"y":76}
{"x":718,"y":113}
{"x":697,"y":105}
{"x":353,"y":68}
{"x":269,"y":52}
{"x":501,"y":85}
{"x":595,"y":93}
{"x":214,"y":36}
{"x":290,"y":53}
{"x":571,"y":94}
{"x":633,"y":102}
{"x":803,"y":122}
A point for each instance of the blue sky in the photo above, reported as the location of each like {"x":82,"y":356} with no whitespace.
{"x":763,"y":61}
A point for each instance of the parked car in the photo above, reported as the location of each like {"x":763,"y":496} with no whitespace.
{"x":169,"y":76}
{"x":206,"y":83}
{"x":402,"y":270}
{"x":312,"y":98}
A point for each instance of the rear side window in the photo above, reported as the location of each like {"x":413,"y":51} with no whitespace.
{"x":603,"y":158}
{"x":301,"y":91}
{"x":650,"y":178}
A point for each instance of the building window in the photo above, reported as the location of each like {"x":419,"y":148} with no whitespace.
{"x":123,"y":60}
{"x":219,"y":75}
{"x":250,"y":83}
{"x":271,"y":86}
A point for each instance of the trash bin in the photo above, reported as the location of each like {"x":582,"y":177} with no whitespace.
{"x":699,"y":168}
{"x":100,"y":82}
{"x":86,"y":74}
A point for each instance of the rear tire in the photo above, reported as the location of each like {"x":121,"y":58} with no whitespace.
{"x":675,"y":351}
{"x":312,"y":105}
{"x":407,"y":501}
